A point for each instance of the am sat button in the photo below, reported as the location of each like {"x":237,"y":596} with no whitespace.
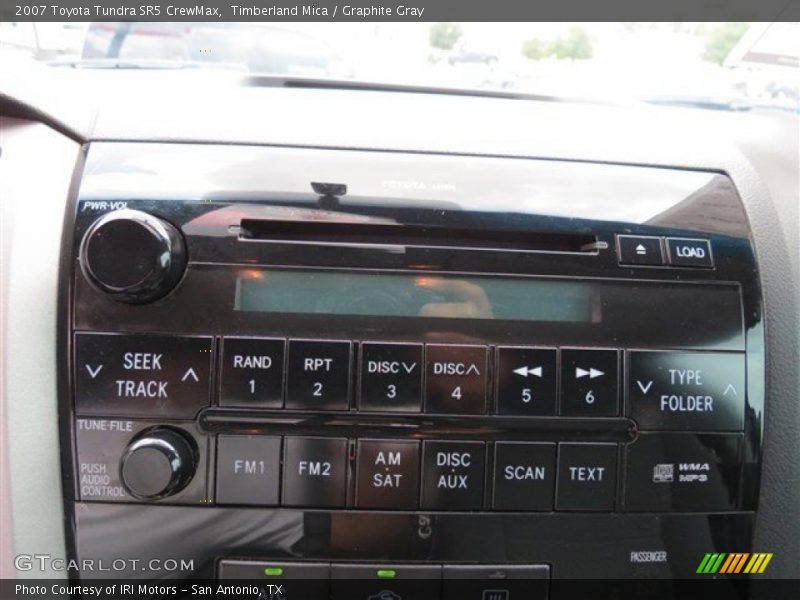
{"x":682,"y":391}
{"x":685,"y":252}
{"x":683,"y":472}
{"x":639,"y":250}
{"x":388,"y":474}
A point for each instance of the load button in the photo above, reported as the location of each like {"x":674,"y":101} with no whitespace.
{"x":684,"y":252}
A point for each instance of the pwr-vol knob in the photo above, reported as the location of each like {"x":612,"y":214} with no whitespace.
{"x":159,"y":462}
{"x":133,"y":256}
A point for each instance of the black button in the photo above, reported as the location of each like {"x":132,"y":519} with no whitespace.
{"x":700,"y":391}
{"x":524,"y":476}
{"x":314,"y":472}
{"x":526,"y":381}
{"x":495,"y":582}
{"x":141,"y":375}
{"x":639,"y":250}
{"x":319,"y":375}
{"x":391,"y":377}
{"x":683,"y":472}
{"x":388,"y":474}
{"x":297,"y":581}
{"x":587,"y":476}
{"x":456,"y":379}
{"x":589,"y":383}
{"x":453,"y":475}
{"x":386,"y":582}
{"x":252,"y":373}
{"x":248,"y":469}
{"x":685,"y":252}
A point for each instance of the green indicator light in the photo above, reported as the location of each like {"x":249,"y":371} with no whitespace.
{"x":273,"y":571}
{"x":386,"y":573}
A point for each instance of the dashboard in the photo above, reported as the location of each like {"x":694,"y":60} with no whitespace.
{"x":361,"y":343}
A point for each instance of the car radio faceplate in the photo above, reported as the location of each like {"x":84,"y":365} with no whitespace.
{"x":459,"y":359}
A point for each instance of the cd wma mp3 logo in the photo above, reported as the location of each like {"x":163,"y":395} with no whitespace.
{"x":734,"y":563}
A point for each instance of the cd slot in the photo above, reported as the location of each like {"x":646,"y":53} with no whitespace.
{"x":369,"y":234}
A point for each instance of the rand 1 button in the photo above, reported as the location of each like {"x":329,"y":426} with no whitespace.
{"x":391,"y":377}
{"x":685,"y":252}
{"x":314,"y":471}
{"x":524,"y":476}
{"x":387,"y":474}
{"x":252,"y":372}
{"x":495,"y":582}
{"x":682,"y":391}
{"x":385,"y":582}
{"x":248,"y":469}
{"x":587,"y":476}
{"x":683,"y":472}
{"x":639,"y":250}
{"x":318,"y":375}
{"x":142,"y":375}
{"x":453,"y":475}
{"x":589,"y":383}
{"x":456,"y":379}
{"x":526,"y":381}
{"x":279,"y":580}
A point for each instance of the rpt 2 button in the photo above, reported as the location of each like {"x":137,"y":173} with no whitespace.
{"x":319,"y":375}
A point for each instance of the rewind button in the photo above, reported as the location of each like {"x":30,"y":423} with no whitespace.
{"x":526,"y":381}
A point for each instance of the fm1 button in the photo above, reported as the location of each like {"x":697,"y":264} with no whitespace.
{"x":702,"y":391}
{"x":314,"y":472}
{"x":252,"y":372}
{"x":456,"y":379}
{"x":453,"y":475}
{"x":319,"y":375}
{"x":524,"y":476}
{"x":683,"y":472}
{"x":388,"y":474}
{"x":248,"y":469}
{"x":587,"y":476}
{"x":526,"y":381}
{"x":589,"y":383}
{"x":142,"y":375}
{"x":391,"y":377}
{"x":685,"y":252}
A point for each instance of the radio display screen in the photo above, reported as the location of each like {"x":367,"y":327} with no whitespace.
{"x":416,"y":295}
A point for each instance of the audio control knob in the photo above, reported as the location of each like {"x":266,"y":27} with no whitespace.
{"x":133,"y":256}
{"x":159,"y":462}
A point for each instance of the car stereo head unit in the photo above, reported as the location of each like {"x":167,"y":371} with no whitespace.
{"x":313,"y":361}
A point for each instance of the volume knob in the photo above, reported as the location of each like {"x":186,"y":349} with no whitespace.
{"x":133,"y":256}
{"x":158,"y":463}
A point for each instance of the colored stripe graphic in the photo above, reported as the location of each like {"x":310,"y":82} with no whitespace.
{"x":715,"y":567}
{"x":729,"y":562}
{"x":740,"y":563}
{"x":702,"y":567}
{"x":767,"y":558}
{"x":734,"y":562}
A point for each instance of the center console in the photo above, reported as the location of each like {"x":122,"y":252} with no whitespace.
{"x":358,"y":373}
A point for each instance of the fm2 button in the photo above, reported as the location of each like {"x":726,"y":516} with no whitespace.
{"x":589,"y":383}
{"x":526,"y":381}
{"x":453,"y":475}
{"x":252,"y":372}
{"x":456,"y":379}
{"x":315,"y":472}
{"x":142,"y":375}
{"x":687,"y":391}
{"x":319,"y":375}
{"x":391,"y":377}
